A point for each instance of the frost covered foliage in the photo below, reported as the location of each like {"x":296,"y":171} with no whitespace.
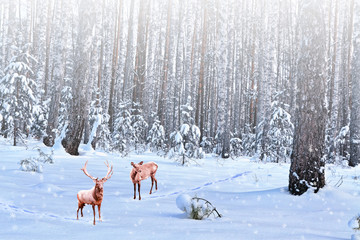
{"x":338,"y":150}
{"x":280,"y":134}
{"x":123,"y":135}
{"x":235,"y":147}
{"x":140,"y":127}
{"x":40,"y":120}
{"x":17,"y":95}
{"x":156,"y":137}
{"x":207,"y":144}
{"x":100,"y":136}
{"x":354,"y":223}
{"x":35,"y":164}
{"x":248,"y":141}
{"x":196,"y":208}
{"x":129,"y":130}
{"x":185,"y":145}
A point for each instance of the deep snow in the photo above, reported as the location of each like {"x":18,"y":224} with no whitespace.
{"x":251,"y":196}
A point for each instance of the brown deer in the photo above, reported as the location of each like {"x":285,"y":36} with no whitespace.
{"x":95,"y":195}
{"x":141,"y":172}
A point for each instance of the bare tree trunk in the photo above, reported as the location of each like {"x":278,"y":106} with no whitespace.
{"x":114,"y":66}
{"x":47,"y":58}
{"x":307,"y":163}
{"x":140,"y":58}
{"x":79,"y":107}
{"x":199,"y":115}
{"x":163,"y":93}
{"x":355,"y":94}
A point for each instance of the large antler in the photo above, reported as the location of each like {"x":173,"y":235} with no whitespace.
{"x":109,"y":172}
{"x":86,"y":172}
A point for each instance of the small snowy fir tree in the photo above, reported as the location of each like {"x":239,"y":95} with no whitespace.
{"x":235,"y":147}
{"x":156,"y":137}
{"x":196,"y":208}
{"x":280,"y":134}
{"x":248,"y":141}
{"x":124,"y":134}
{"x":17,"y":93}
{"x":140,"y":127}
{"x":100,"y":136}
{"x":65,"y":104}
{"x":40,"y":120}
{"x":207,"y":144}
{"x":185,"y":142}
{"x":341,"y":146}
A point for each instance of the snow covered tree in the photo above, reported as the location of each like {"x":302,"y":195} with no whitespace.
{"x":235,"y":147}
{"x":156,"y":137}
{"x":185,"y":142}
{"x":38,"y":126}
{"x":140,"y":127}
{"x":17,"y":93}
{"x":307,"y":163}
{"x":248,"y":141}
{"x":280,"y":133}
{"x":100,"y":136}
{"x":123,"y":135}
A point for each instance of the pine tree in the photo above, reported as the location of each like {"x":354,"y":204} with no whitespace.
{"x":140,"y":127}
{"x":124,"y":134}
{"x":185,"y":142}
{"x":17,"y":93}
{"x":156,"y":137}
{"x":280,"y":134}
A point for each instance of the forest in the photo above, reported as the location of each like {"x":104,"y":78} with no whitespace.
{"x":278,"y":80}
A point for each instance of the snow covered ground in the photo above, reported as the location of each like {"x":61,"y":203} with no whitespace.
{"x":251,"y":196}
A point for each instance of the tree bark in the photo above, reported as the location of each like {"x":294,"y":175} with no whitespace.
{"x":307,"y":163}
{"x":355,"y":95}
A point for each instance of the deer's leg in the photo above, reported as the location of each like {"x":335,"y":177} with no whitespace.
{"x":152,"y":184}
{"x":93,"y":207}
{"x":155,"y":182}
{"x":134,"y":190}
{"x":139,"y":184}
{"x":82,"y":207}
{"x":99,"y":207}
{"x":77,"y":213}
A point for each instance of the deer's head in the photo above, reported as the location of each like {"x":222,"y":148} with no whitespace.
{"x":99,"y":183}
{"x":137,"y":167}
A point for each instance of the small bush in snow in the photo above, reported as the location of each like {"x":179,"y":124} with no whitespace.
{"x":354,"y":223}
{"x":185,"y":146}
{"x":33,"y":164}
{"x":235,"y":147}
{"x":45,"y":158}
{"x":196,"y":208}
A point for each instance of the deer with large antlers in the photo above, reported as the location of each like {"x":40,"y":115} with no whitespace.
{"x":95,"y":195}
{"x":141,"y":172}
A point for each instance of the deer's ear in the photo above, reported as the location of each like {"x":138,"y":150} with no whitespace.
{"x":141,"y":163}
{"x":132,"y":164}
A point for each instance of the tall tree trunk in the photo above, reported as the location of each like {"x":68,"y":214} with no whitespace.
{"x":307,"y":163}
{"x":47,"y":57}
{"x":114,"y":66}
{"x":163,"y":93}
{"x":140,"y":58}
{"x":79,"y":107}
{"x":199,"y":114}
{"x":355,"y":94}
{"x":59,"y":72}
